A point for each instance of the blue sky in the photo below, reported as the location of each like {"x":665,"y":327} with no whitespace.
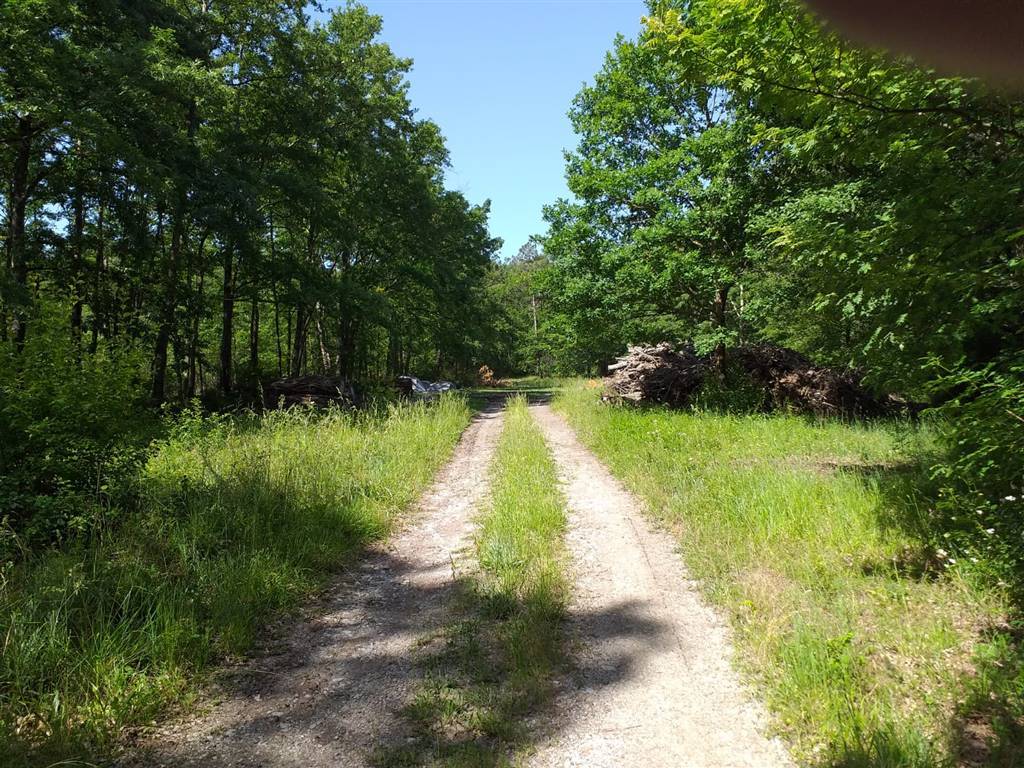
{"x":498,"y":76}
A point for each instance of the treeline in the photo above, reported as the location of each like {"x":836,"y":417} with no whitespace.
{"x":743,"y":174}
{"x":231,"y":188}
{"x":200,"y":197}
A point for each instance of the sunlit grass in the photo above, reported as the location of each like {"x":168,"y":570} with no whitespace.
{"x":869,"y":650}
{"x":236,"y":520}
{"x":496,"y":659}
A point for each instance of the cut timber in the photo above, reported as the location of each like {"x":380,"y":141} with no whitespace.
{"x":792,"y":382}
{"x":656,"y":374}
{"x":320,"y":391}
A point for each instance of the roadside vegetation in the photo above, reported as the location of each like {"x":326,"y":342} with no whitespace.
{"x":492,"y":667}
{"x":872,"y":644}
{"x":227,"y":522}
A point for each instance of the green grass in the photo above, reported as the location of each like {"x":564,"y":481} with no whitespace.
{"x":869,"y":646}
{"x":493,"y":665}
{"x":235,"y":520}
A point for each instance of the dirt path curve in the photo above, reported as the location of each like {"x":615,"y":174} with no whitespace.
{"x":332,"y":693}
{"x":652,"y":684}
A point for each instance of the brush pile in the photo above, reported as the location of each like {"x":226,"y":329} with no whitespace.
{"x":792,"y":382}
{"x":320,"y":391}
{"x":789,"y":381}
{"x":658,"y":374}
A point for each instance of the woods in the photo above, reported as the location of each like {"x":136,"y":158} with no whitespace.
{"x":232,"y":189}
{"x":231,"y":241}
{"x":192,"y":178}
{"x":201,"y":198}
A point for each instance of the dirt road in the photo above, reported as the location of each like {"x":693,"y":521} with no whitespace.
{"x":653,"y":685}
{"x":332,"y":693}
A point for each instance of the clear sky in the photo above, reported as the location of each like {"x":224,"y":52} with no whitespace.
{"x":498,"y":76}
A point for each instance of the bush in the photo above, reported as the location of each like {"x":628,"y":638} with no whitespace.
{"x":71,"y":433}
{"x":981,"y":478}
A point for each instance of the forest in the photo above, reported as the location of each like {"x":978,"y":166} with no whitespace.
{"x":204,"y":197}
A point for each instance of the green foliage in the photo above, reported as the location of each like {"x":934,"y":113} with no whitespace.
{"x":743,"y":173}
{"x":871,"y":647}
{"x":730,"y":391}
{"x":71,"y":437}
{"x":979,"y":483}
{"x":174,"y":173}
{"x":238,"y":519}
{"x":524,"y":340}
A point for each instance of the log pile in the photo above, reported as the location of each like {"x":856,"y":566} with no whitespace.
{"x":320,"y":391}
{"x":485,"y":377}
{"x":663,"y":375}
{"x":658,"y":374}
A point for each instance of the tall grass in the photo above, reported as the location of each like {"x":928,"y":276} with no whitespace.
{"x":235,"y":520}
{"x":496,"y":660}
{"x":870,"y":647}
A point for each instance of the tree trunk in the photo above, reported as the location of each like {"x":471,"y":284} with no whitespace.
{"x":193,"y":352}
{"x":347,"y":331}
{"x":254,"y":335}
{"x":227,"y":327}
{"x":325,"y":356}
{"x":16,"y":226}
{"x":301,"y":316}
{"x":277,"y":332}
{"x":299,"y":348}
{"x":718,"y":309}
{"x":163,"y":336}
{"x":77,"y":238}
{"x":536,"y":362}
{"x":97,"y":281}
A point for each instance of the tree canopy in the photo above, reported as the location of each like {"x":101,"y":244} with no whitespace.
{"x":743,"y":174}
{"x":191,"y":177}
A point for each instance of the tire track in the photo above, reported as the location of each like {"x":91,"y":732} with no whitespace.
{"x":332,"y":692}
{"x":652,"y":685}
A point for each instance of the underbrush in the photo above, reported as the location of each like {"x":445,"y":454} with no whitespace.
{"x":72,"y":435}
{"x":492,"y":666}
{"x":236,"y":519}
{"x":872,"y":644}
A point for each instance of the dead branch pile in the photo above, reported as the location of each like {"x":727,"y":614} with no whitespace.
{"x":766,"y":363}
{"x":790,"y":381}
{"x":658,"y":374}
{"x":320,"y":391}
{"x":485,"y":377}
{"x":793,"y":383}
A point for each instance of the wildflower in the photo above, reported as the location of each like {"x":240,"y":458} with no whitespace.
{"x":1009,"y":498}
{"x":990,"y":531}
